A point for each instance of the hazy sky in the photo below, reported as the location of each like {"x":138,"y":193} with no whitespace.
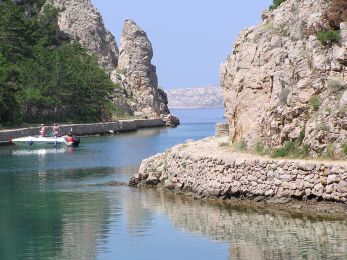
{"x":190,"y":38}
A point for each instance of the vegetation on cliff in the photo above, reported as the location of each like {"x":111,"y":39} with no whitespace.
{"x":275,"y":4}
{"x":43,"y":78}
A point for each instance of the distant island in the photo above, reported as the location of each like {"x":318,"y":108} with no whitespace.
{"x":193,"y":98}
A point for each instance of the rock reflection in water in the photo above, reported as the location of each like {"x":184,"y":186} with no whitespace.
{"x":252,"y":233}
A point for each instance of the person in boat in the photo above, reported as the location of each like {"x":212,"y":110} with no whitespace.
{"x":42,"y":130}
{"x":56,"y":130}
{"x":69,"y":139}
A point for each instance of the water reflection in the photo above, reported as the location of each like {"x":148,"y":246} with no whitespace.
{"x":40,"y":152}
{"x":253,"y":234}
{"x":54,"y":205}
{"x":50,"y":225}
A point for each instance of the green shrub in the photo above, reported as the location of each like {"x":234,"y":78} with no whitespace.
{"x":301,"y":136}
{"x":281,"y":152}
{"x":344,"y":148}
{"x":276,"y":3}
{"x":293,"y":150}
{"x":315,"y":102}
{"x":329,"y":37}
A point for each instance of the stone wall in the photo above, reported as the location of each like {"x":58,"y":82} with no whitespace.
{"x":210,"y":170}
{"x":86,"y":129}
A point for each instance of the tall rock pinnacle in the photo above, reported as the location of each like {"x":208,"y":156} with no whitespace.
{"x":135,"y":61}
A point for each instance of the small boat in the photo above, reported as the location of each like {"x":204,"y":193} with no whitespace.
{"x":42,"y":141}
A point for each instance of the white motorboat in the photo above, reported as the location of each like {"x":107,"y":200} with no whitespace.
{"x":42,"y":141}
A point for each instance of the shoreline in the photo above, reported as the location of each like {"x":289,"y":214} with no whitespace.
{"x":206,"y":169}
{"x":85,"y":129}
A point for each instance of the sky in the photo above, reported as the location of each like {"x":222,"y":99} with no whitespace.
{"x":190,"y":38}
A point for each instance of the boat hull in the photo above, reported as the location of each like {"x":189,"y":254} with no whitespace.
{"x":40,"y":141}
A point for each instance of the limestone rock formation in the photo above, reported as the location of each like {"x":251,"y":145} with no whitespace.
{"x":135,"y":64}
{"x":281,"y":82}
{"x":201,"y":97}
{"x":138,"y":93}
{"x":80,"y":20}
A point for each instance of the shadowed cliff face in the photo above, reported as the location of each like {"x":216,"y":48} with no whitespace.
{"x":135,"y":63}
{"x":280,"y":80}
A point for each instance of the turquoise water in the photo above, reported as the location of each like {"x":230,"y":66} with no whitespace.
{"x":54,"y":206}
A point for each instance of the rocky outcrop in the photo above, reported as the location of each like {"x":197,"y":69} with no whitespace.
{"x":79,"y":20}
{"x":139,"y":74}
{"x":191,"y":98}
{"x":209,"y":169}
{"x":137,"y":93}
{"x":281,"y":81}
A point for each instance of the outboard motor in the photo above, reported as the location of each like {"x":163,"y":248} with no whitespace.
{"x":76,"y":141}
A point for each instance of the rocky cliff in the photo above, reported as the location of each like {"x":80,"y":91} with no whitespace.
{"x":202,"y":97}
{"x":135,"y":64}
{"x":283,"y":81}
{"x":79,"y":20}
{"x":131,"y":69}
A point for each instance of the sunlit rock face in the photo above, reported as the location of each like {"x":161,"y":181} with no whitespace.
{"x":138,"y":93}
{"x":79,"y":20}
{"x":280,"y":80}
{"x":135,"y":63}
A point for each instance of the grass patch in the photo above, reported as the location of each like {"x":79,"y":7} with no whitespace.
{"x":292,"y":150}
{"x":239,"y":146}
{"x":328,"y":38}
{"x":315,"y":102}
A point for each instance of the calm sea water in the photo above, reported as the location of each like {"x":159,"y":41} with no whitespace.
{"x":54,"y":205}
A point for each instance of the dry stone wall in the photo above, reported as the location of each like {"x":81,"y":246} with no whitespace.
{"x":209,"y":170}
